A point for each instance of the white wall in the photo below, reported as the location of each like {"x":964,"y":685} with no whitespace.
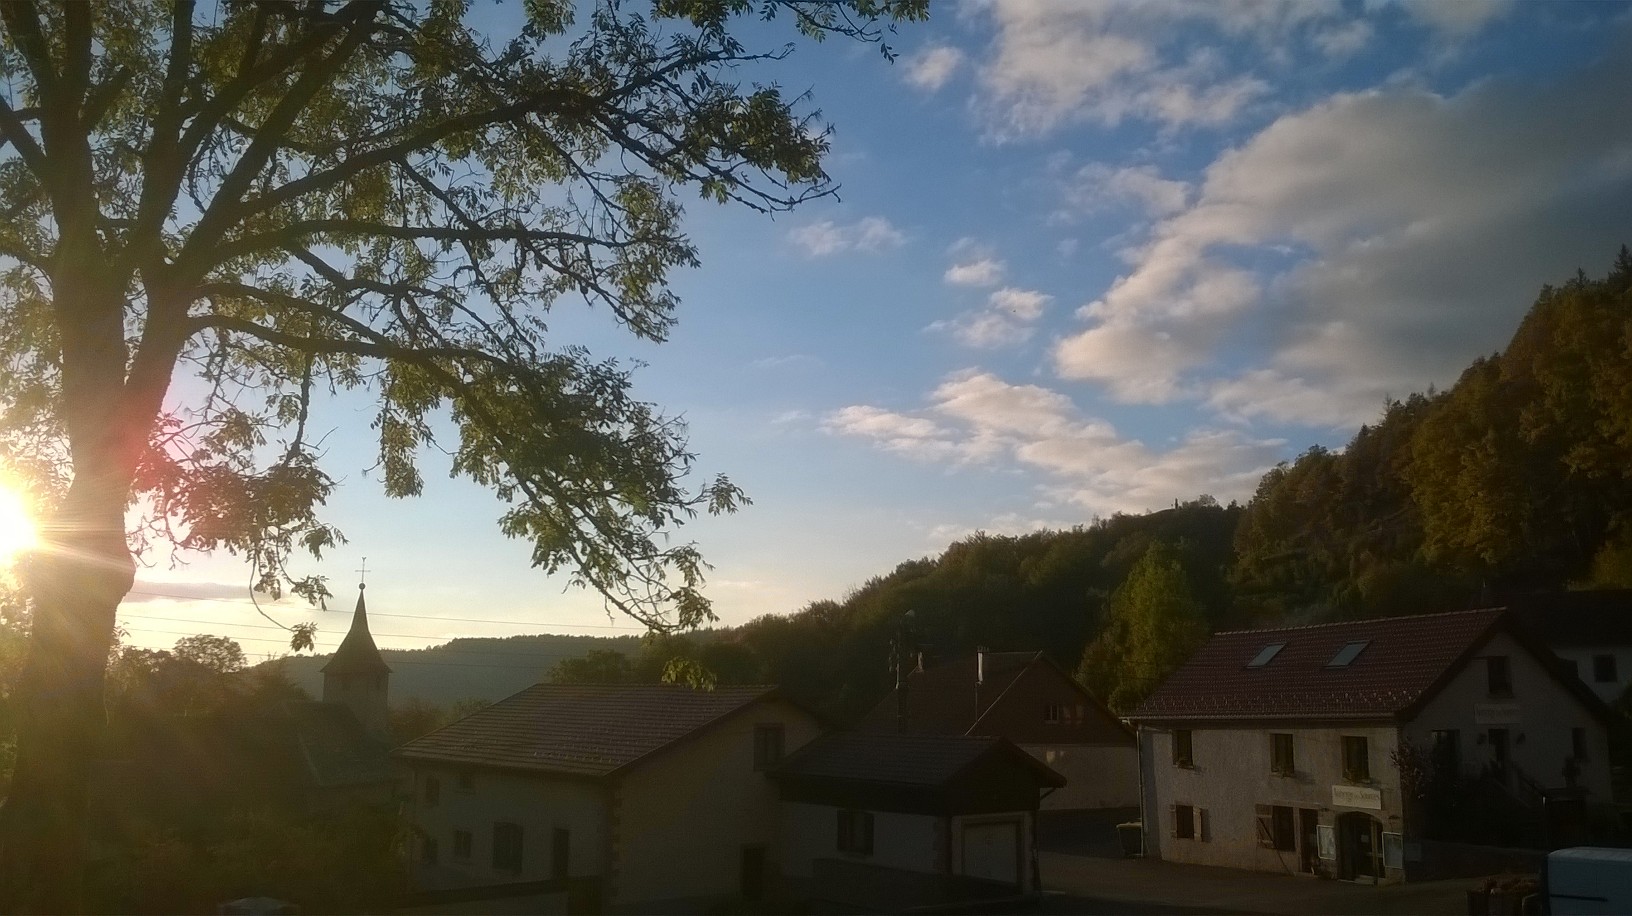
{"x":1096,"y":775}
{"x":907,"y":841}
{"x":1232,"y":776}
{"x":539,"y":804}
{"x":1608,"y":691}
{"x":1538,"y":718}
{"x":682,"y":820}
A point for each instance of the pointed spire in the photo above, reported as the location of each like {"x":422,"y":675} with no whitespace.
{"x":357,"y":652}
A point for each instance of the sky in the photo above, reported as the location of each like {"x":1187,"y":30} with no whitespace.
{"x":1083,"y":259}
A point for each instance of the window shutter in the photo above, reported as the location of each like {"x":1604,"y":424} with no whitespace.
{"x":1173,"y":821}
{"x":1266,"y":828}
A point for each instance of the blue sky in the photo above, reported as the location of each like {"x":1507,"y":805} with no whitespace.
{"x":1085,"y":258}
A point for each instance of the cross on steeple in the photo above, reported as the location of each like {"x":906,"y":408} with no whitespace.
{"x":362,"y":575}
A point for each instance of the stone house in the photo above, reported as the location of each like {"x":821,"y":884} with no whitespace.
{"x":1027,"y":699}
{"x":1275,"y":749}
{"x":626,"y":797}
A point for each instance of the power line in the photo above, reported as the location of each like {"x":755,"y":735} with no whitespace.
{"x":513,"y":623}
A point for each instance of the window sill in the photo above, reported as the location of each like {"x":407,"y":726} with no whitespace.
{"x":1185,"y":764}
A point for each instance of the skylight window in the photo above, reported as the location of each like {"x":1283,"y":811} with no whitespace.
{"x":1346,"y":655}
{"x":1265,"y":654}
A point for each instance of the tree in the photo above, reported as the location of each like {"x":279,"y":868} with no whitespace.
{"x":1155,"y":623}
{"x":216,"y":654}
{"x":290,"y":200}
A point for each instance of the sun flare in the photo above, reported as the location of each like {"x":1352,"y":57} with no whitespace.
{"x":17,"y":530}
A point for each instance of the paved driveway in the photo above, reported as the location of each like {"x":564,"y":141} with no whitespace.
{"x":1091,"y":884}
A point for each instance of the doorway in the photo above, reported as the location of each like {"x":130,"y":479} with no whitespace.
{"x":753,"y":872}
{"x":1359,"y":844}
{"x":1308,"y":840}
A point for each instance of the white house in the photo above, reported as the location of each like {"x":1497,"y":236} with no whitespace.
{"x":890,"y":822}
{"x":646,"y":798}
{"x":1025,"y":698}
{"x":1275,"y":749}
{"x":1591,"y":631}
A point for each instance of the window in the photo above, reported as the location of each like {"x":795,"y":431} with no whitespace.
{"x":1447,"y":749}
{"x":1184,"y":822}
{"x":1182,"y":757}
{"x":1346,"y":655}
{"x":1356,"y":759}
{"x":467,"y":781}
{"x":427,"y":851}
{"x":507,"y":847}
{"x":461,"y":845}
{"x":1054,"y":713}
{"x":767,"y":746}
{"x":433,"y":791}
{"x":1281,"y":759}
{"x":1275,"y":828}
{"x":560,"y":852}
{"x":1578,"y":743}
{"x":1266,"y":654}
{"x":1498,"y":677}
{"x":856,"y":832}
{"x":1603,"y":669}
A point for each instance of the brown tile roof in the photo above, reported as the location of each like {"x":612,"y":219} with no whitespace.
{"x":941,"y":699}
{"x":579,"y":729}
{"x":1405,"y":660}
{"x":904,"y":760}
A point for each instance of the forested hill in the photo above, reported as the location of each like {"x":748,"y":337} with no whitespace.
{"x":1516,"y":479}
{"x":486,"y":669}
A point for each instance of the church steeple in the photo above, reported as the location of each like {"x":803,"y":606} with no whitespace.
{"x":357,"y":676}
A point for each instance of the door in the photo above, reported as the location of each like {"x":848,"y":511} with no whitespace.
{"x":992,"y":851}
{"x":1358,"y":845}
{"x":753,"y":872}
{"x":1498,"y":754}
{"x":1308,"y":839}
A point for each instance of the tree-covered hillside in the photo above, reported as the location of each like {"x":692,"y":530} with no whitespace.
{"x":1516,"y":479}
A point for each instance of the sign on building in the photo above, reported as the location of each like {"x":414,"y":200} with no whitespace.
{"x":1496,"y":714}
{"x":1357,"y":797}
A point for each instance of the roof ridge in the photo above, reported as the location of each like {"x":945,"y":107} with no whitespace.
{"x":1346,"y":623}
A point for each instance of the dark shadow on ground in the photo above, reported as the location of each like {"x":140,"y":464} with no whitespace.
{"x":1091,"y":906}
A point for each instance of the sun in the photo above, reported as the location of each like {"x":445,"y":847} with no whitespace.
{"x":17,"y":531}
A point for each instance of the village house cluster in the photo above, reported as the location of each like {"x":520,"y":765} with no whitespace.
{"x":1310,"y":750}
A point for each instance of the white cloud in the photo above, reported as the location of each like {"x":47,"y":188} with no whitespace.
{"x":982,"y":272}
{"x":932,"y":67}
{"x":1393,"y":235}
{"x":1006,"y":321}
{"x":1096,"y":185}
{"x":1344,"y":39}
{"x":1056,"y":63}
{"x":791,"y":360}
{"x":869,"y":234}
{"x":1456,"y":18}
{"x":1024,"y":304}
{"x":979,"y":418}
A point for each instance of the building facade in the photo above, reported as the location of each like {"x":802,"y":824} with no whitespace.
{"x":642,"y":797}
{"x":1590,"y":631}
{"x":1278,"y":750}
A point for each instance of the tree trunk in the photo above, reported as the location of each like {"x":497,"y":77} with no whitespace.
{"x":75,"y":584}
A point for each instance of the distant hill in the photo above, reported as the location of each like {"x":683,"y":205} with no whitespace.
{"x":486,"y":669}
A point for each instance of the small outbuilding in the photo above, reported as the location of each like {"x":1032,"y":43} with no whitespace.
{"x":890,"y":822}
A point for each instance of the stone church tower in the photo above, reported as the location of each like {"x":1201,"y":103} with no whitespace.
{"x":357,"y":677}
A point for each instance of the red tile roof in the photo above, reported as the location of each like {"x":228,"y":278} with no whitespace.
{"x":1405,"y":660}
{"x":579,"y":729}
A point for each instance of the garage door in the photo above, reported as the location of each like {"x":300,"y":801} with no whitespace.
{"x":992,"y":851}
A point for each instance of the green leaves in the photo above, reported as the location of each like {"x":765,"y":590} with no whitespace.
{"x":289,"y":201}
